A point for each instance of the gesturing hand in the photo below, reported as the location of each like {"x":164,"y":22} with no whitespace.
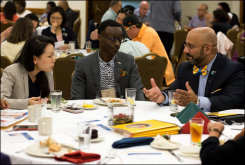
{"x":94,"y":35}
{"x":4,"y":104}
{"x":154,"y":94}
{"x":185,"y":97}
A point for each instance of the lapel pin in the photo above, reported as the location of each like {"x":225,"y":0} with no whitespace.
{"x":213,"y":73}
{"x":119,"y":62}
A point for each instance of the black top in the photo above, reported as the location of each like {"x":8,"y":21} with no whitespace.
{"x":232,"y":152}
{"x":234,"y":20}
{"x":33,"y":88}
{"x":67,"y":35}
{"x":71,"y":17}
{"x":221,"y":26}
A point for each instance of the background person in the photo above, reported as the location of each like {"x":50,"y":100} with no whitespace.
{"x":143,"y":13}
{"x":9,"y":12}
{"x":20,"y":6}
{"x":27,"y":80}
{"x":71,"y":16}
{"x":111,"y":13}
{"x":35,"y":22}
{"x":21,"y":31}
{"x":44,"y":16}
{"x":221,"y":21}
{"x":58,"y":29}
{"x":162,"y":17}
{"x":232,"y":152}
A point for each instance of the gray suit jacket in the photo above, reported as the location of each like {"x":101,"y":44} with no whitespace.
{"x":14,"y":86}
{"x":86,"y":79}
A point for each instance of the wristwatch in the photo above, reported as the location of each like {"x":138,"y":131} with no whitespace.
{"x":215,"y":129}
{"x":198,"y":102}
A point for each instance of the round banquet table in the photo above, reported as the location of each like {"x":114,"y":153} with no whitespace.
{"x":143,"y":111}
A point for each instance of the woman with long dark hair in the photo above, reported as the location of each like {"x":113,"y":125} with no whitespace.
{"x":28,"y":79}
{"x":9,"y":12}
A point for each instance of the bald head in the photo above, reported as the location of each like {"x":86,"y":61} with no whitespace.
{"x":202,"y":35}
{"x":205,"y":7}
{"x":144,"y":7}
{"x":63,"y":4}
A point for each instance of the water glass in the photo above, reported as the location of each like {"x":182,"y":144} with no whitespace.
{"x":196,"y":129}
{"x":63,"y":53}
{"x":130,"y":93}
{"x":55,"y":100}
{"x":56,"y":53}
{"x":110,"y":115}
{"x":84,"y":136}
{"x":40,"y":111}
{"x":88,"y":46}
{"x":172,"y":105}
{"x":72,"y":46}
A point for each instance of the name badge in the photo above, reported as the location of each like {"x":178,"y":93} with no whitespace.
{"x":109,"y":93}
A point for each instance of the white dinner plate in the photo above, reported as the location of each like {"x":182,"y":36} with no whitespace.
{"x":167,"y":148}
{"x":98,"y":139}
{"x":36,"y":150}
{"x":80,"y":106}
{"x":97,"y":101}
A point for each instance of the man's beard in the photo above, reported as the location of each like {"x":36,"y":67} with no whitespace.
{"x":198,"y":60}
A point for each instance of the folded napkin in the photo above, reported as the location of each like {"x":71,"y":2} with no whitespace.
{"x":186,"y":127}
{"x":131,"y":142}
{"x":79,"y":157}
{"x":189,"y":151}
{"x":189,"y":112}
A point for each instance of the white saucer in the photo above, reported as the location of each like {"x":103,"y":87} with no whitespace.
{"x":80,"y":106}
{"x":98,"y":139}
{"x":167,"y":148}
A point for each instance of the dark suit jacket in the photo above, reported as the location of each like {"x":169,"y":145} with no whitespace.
{"x":221,"y":26}
{"x":67,"y":34}
{"x":229,"y":76}
{"x":71,"y":17}
{"x":86,"y":78}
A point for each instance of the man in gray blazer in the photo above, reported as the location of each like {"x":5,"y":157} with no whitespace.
{"x":107,"y":68}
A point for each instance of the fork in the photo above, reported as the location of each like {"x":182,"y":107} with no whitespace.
{"x":107,"y":155}
{"x":113,"y":155}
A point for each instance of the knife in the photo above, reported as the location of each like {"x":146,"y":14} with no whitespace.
{"x":101,"y":99}
{"x":66,"y":146}
{"x":172,"y":153}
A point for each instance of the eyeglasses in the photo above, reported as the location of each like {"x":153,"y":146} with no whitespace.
{"x":190,"y":46}
{"x":113,"y":39}
{"x":58,"y":18}
{"x":128,"y":28}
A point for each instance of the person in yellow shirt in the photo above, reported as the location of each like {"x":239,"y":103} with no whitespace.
{"x":149,"y":37}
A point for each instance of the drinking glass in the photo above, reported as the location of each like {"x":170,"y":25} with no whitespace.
{"x":88,"y":46}
{"x":84,"y":135}
{"x":39,"y":110}
{"x":196,"y":128}
{"x":55,"y":100}
{"x":172,"y":105}
{"x":72,"y":46}
{"x":63,"y":53}
{"x":56,"y":53}
{"x":130,"y":93}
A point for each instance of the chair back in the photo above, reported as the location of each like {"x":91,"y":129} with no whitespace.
{"x":242,"y":26}
{"x":182,"y":59}
{"x":5,"y":61}
{"x":240,"y":47}
{"x":1,"y":72}
{"x":232,"y":35}
{"x":63,"y":69}
{"x":179,"y":38}
{"x":76,"y":27}
{"x":5,"y":26}
{"x":151,"y":68}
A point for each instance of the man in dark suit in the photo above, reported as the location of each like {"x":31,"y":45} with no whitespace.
{"x":71,"y":16}
{"x":210,"y":79}
{"x":107,"y":68}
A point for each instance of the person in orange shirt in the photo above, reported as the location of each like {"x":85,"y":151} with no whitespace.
{"x":9,"y":12}
{"x":149,"y":37}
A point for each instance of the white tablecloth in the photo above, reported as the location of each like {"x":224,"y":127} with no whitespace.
{"x":143,"y":111}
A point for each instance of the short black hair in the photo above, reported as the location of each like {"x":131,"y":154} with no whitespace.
{"x":125,"y":11}
{"x":35,"y":45}
{"x":62,"y":13}
{"x":33,"y":17}
{"x":139,"y":25}
{"x":221,"y":15}
{"x":51,"y":3}
{"x":130,"y":7}
{"x":22,"y":3}
{"x":107,"y":23}
{"x":9,"y":10}
{"x":113,"y":2}
{"x":225,"y":6}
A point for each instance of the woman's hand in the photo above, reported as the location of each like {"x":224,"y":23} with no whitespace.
{"x":216,"y":125}
{"x":4,"y":104}
{"x":54,"y":27}
{"x":239,"y":135}
{"x":35,"y":100}
{"x":64,"y":47}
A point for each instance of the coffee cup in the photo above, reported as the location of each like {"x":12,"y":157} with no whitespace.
{"x":31,"y":113}
{"x":45,"y":126}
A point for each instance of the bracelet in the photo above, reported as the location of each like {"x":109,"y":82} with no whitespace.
{"x":215,"y":129}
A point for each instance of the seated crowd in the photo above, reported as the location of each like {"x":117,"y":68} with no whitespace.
{"x":208,"y":78}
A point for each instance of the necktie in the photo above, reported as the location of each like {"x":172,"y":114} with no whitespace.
{"x":197,"y":71}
